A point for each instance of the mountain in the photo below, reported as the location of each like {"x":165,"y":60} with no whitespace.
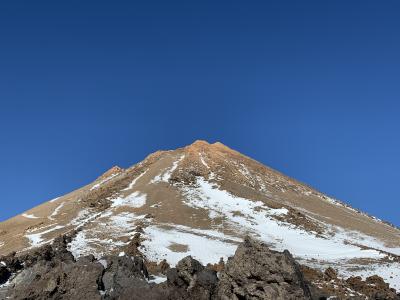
{"x":203,"y":200}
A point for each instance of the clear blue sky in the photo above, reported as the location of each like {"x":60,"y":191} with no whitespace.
{"x":311,"y":88}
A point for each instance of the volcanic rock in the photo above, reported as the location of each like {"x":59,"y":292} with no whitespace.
{"x":256,"y":272}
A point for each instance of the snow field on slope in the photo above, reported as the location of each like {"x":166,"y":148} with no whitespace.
{"x":36,"y":239}
{"x":259,"y":221}
{"x":389,"y":272}
{"x":302,"y":244}
{"x":135,"y":199}
{"x":35,"y":236}
{"x":102,"y":235}
{"x":84,"y":217}
{"x":203,"y":245}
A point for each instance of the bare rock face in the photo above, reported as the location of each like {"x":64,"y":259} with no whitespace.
{"x":255,"y":272}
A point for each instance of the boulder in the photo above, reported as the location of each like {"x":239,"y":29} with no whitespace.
{"x":122,"y":273}
{"x":256,"y":272}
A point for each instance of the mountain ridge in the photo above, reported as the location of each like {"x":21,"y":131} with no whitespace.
{"x":201,"y":144}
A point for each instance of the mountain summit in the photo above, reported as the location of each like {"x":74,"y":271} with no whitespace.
{"x":202,"y":200}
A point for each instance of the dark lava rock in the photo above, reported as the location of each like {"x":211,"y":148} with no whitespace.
{"x":374,"y":287}
{"x":12,"y":262}
{"x":255,"y":272}
{"x":328,"y":285}
{"x":330,"y":273}
{"x":191,"y":280}
{"x":46,"y":280}
{"x":188,"y":269}
{"x":4,"y":274}
{"x":121,"y":273}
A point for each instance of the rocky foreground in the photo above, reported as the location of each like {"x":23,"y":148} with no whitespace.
{"x":254,"y":272}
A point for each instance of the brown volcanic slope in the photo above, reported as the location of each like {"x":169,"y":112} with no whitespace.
{"x":201,"y":200}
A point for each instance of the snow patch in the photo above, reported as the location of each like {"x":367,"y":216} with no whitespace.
{"x":54,"y":200}
{"x":278,"y":211}
{"x":134,"y":181}
{"x":123,"y":221}
{"x":79,"y":244}
{"x":356,"y":237}
{"x":40,"y":228}
{"x":30,"y":216}
{"x":55,"y":212}
{"x":104,"y":234}
{"x":135,"y":199}
{"x":103,"y":262}
{"x":157,"y":279}
{"x":97,"y":185}
{"x":205,"y":248}
{"x":84,"y":217}
{"x":203,"y":161}
{"x":164,"y":177}
{"x":36,"y":239}
{"x":263,"y":187}
{"x":245,"y":172}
